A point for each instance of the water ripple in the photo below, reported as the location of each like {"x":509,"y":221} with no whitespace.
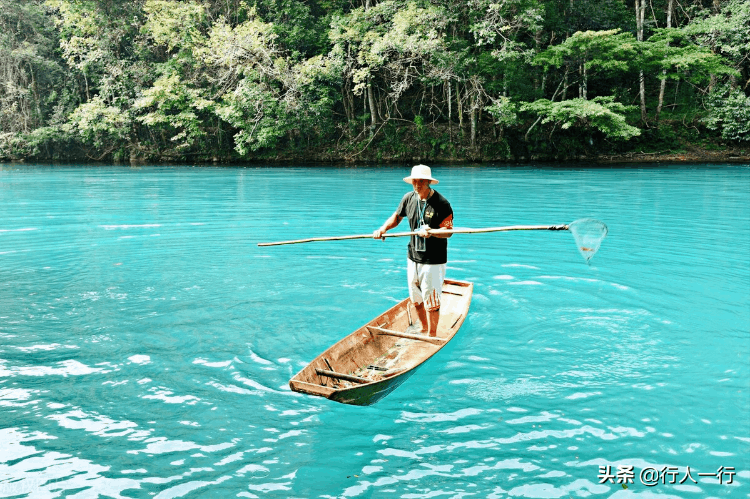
{"x":146,"y":342}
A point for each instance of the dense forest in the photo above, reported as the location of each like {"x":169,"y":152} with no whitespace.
{"x":328,"y":80}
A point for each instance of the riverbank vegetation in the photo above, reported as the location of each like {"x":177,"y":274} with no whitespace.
{"x":331,"y":80}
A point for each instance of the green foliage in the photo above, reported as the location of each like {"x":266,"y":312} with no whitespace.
{"x":174,"y":24}
{"x":299,"y":32}
{"x":239,"y":48}
{"x":175,"y":107}
{"x":265,"y":95}
{"x":671,"y":50}
{"x":504,"y":111}
{"x":12,"y":146}
{"x":600,"y":113}
{"x":501,"y":22}
{"x":256,"y":113}
{"x":396,"y":78}
{"x":587,"y":15}
{"x":729,"y":111}
{"x":28,"y":67}
{"x":99,"y":123}
{"x":726,"y":32}
{"x":607,"y":51}
{"x":81,"y":43}
{"x":393,"y":41}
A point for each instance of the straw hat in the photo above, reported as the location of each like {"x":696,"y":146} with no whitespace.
{"x":420,"y":172}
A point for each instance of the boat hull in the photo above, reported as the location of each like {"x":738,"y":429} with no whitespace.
{"x":377,"y":358}
{"x":369,"y":394}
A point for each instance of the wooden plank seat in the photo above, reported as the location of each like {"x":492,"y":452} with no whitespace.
{"x":345,"y":377}
{"x":430,"y":339}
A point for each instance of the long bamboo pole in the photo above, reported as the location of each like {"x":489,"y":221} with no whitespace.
{"x":433,"y":232}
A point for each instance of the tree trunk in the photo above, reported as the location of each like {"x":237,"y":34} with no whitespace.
{"x":473,"y":115}
{"x":346,"y":101}
{"x":460,"y":108}
{"x":640,"y":13}
{"x":642,"y":90}
{"x":714,"y":79}
{"x":373,"y":108}
{"x":450,"y":109}
{"x":537,"y":49}
{"x":85,"y":79}
{"x":584,"y":85}
{"x":448,"y":88}
{"x":664,"y":72}
{"x":370,"y":95}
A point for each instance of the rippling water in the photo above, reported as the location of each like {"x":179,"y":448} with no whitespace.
{"x":146,"y":342}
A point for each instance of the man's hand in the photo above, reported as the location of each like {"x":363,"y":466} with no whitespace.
{"x":424,"y":231}
{"x":392,"y":222}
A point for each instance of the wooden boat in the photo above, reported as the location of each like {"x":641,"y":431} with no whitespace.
{"x":375,"y":359}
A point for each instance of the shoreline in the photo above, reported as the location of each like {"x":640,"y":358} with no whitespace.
{"x":698,"y":156}
{"x":728,"y":156}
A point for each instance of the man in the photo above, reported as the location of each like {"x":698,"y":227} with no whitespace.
{"x":427,"y":211}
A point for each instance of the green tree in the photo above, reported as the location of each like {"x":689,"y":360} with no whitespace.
{"x":103,"y":48}
{"x":726,"y":32}
{"x":102,"y":126}
{"x":261,"y":92}
{"x":31,"y":76}
{"x":593,"y":53}
{"x":176,"y":107}
{"x":729,"y":111}
{"x":390,"y":48}
{"x":600,"y":113}
{"x":166,"y":79}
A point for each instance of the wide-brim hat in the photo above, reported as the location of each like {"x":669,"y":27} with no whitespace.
{"x":420,"y":172}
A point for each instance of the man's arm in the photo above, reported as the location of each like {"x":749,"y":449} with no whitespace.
{"x":392,"y":222}
{"x":445,"y":224}
{"x":436,"y":233}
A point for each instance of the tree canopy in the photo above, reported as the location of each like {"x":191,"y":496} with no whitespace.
{"x":163,"y":80}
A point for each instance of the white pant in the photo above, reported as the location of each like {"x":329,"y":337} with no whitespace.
{"x":425,"y":283}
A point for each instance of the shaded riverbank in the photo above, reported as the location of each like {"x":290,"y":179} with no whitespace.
{"x":693,"y":156}
{"x":668,"y":143}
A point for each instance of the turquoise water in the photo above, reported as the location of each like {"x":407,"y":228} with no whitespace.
{"x":146,"y":342}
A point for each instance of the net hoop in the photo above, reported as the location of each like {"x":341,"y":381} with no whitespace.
{"x":589,"y":234}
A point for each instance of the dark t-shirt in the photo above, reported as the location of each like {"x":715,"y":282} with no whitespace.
{"x":437,"y":213}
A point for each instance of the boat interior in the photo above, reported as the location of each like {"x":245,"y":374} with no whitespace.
{"x":385,"y":347}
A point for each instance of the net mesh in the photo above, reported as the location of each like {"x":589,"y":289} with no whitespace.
{"x":588,"y":234}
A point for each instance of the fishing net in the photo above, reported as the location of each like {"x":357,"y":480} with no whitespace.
{"x":588,"y":234}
